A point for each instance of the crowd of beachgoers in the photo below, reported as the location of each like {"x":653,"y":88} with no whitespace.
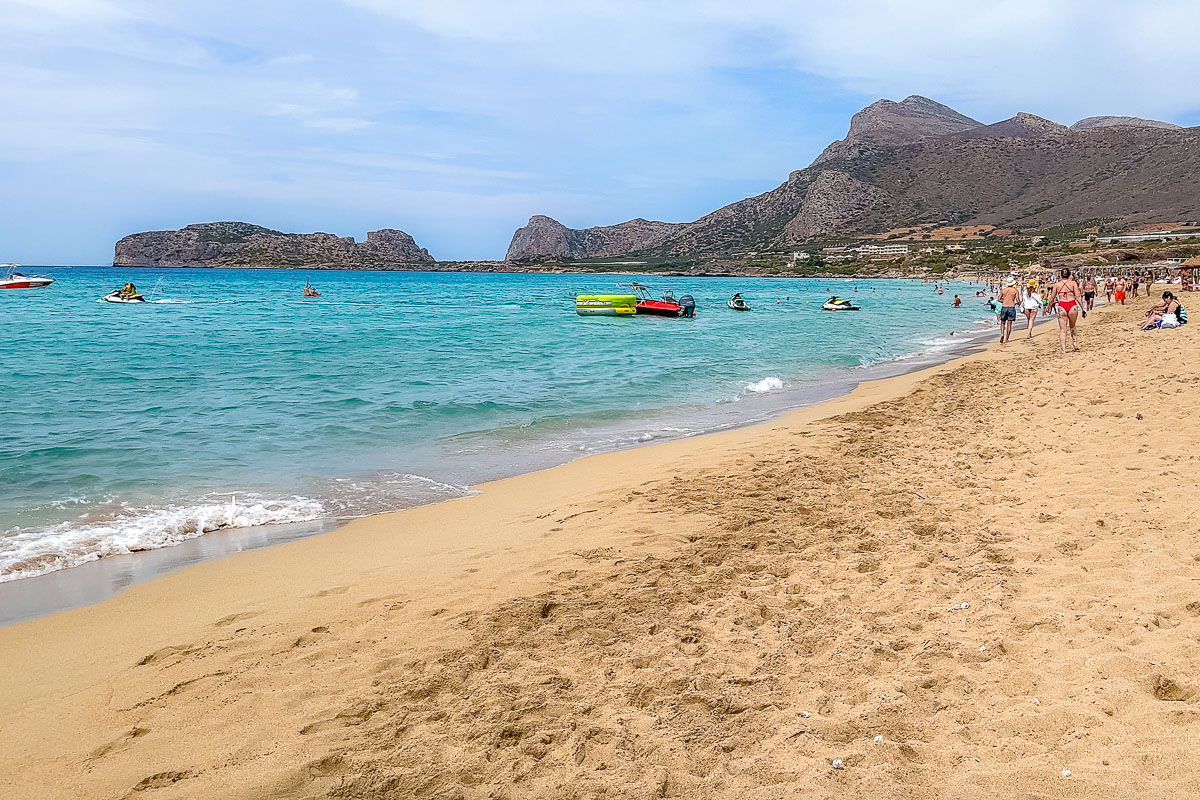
{"x":1070,"y":296}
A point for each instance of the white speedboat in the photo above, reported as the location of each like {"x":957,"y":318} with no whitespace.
{"x":15,"y":280}
{"x":117,"y":296}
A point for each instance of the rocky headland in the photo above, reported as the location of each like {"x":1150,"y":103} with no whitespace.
{"x":240,"y":244}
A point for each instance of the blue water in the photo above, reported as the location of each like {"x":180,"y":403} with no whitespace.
{"x":231,"y":400}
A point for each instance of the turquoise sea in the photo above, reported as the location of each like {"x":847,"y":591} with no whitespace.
{"x":231,"y":401}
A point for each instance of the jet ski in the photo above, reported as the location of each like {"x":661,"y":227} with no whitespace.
{"x":15,"y":280}
{"x":737,"y":303}
{"x":117,"y":296}
{"x":836,"y":304}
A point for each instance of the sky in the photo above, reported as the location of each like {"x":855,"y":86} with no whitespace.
{"x":455,"y":120}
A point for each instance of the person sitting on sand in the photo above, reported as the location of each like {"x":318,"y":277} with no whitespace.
{"x":1067,"y":296}
{"x":1166,"y":314}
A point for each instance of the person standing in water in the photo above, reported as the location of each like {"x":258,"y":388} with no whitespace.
{"x":957,"y":301}
{"x":1008,"y":309}
{"x":1067,"y":295}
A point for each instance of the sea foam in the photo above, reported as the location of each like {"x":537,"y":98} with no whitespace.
{"x":36,"y":551}
{"x":767,"y":384}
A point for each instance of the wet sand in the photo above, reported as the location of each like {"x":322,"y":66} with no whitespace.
{"x":992,"y":565}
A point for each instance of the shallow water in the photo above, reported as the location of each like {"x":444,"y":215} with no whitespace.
{"x":230,"y":400}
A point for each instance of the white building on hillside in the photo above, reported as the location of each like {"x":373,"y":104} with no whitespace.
{"x":870,"y":250}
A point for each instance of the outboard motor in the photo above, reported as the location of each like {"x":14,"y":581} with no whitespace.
{"x":687,"y":304}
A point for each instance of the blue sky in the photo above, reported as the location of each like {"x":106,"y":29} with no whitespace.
{"x":456,"y":120}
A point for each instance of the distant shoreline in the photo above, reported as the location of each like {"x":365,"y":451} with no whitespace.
{"x":511,"y":269}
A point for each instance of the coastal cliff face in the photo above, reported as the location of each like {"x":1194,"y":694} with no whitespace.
{"x":239,"y":244}
{"x":546,"y":236}
{"x":918,"y":162}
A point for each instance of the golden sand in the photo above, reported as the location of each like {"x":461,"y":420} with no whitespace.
{"x":957,"y":583}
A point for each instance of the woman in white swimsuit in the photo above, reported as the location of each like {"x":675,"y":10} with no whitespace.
{"x":1031,"y":305}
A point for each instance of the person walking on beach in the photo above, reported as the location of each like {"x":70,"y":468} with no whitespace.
{"x":1089,"y":291}
{"x":1008,"y":309}
{"x":1031,"y":305}
{"x":1108,"y":290}
{"x":1119,"y":290}
{"x":1066,"y":295}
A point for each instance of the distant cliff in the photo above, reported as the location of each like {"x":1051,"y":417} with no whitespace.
{"x":544,"y":235}
{"x":240,"y":244}
{"x":917,"y":162}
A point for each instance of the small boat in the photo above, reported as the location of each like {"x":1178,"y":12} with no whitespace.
{"x":309,"y":291}
{"x":605,"y":305}
{"x":667,"y":306}
{"x":737,"y":303}
{"x":15,"y":280}
{"x":118,"y":296}
{"x":836,"y":304}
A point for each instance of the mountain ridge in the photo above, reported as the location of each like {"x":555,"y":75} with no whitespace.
{"x":915,"y":162}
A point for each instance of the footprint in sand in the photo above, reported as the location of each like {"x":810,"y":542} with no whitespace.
{"x":331,"y":590}
{"x":118,"y":744}
{"x":159,"y":780}
{"x":166,"y":652}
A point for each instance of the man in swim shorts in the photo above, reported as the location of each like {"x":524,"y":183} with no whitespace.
{"x":1119,"y":291}
{"x":1089,"y":291}
{"x":1009,"y":297}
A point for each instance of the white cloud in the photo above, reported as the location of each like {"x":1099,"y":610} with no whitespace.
{"x":593,"y":110}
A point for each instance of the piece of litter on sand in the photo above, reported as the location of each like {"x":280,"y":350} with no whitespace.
{"x":837,"y":763}
{"x":1066,"y":773}
{"x":1036,"y":702}
{"x":806,"y":714}
{"x":959,"y":606}
{"x":877,"y":739}
{"x":982,"y":647}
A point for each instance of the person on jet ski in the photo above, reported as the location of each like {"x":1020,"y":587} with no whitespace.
{"x":129,"y":290}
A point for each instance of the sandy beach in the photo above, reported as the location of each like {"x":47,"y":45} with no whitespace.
{"x":977,"y":580}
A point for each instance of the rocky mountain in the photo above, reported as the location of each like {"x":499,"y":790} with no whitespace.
{"x":917,"y":162}
{"x":545,"y":235}
{"x":240,"y":244}
{"x":1104,"y":122}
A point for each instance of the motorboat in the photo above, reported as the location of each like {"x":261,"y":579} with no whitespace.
{"x":12,"y":279}
{"x":837,"y":304}
{"x":737,"y":303}
{"x":119,"y":296}
{"x":605,"y":305}
{"x":666,"y":306}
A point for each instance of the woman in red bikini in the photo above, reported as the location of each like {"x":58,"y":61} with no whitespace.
{"x":1066,"y":294}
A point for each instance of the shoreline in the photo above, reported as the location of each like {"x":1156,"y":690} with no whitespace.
{"x":30,"y":598}
{"x":905,"y":578}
